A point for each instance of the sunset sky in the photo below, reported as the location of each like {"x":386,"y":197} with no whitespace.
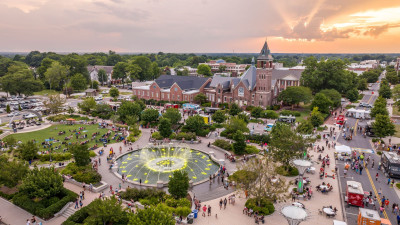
{"x":291,"y":26}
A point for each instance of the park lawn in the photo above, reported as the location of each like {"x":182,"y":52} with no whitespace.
{"x":396,"y":111}
{"x":47,"y":92}
{"x":397,"y":128}
{"x":52,"y":131}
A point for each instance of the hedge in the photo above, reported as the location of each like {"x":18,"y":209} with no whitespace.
{"x":266,"y":207}
{"x":293,"y":171}
{"x":39,"y":209}
{"x":288,"y":113}
{"x":223,"y":144}
{"x":55,"y":157}
{"x":250,"y":149}
{"x":137,"y":194}
{"x":83,"y":174}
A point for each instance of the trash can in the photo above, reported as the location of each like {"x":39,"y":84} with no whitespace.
{"x":194,"y":212}
{"x":190,"y":218}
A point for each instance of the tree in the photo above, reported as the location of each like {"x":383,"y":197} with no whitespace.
{"x":392,"y":77}
{"x":328,"y":74}
{"x":236,"y":124}
{"x":383,"y":126}
{"x":8,"y":109}
{"x":150,"y":115}
{"x":155,"y":70}
{"x":87,"y":105}
{"x":153,"y":215}
{"x":221,"y":68}
{"x":244,"y":178}
{"x":114,"y":92}
{"x":178,"y":184}
{"x":286,"y":144}
{"x":204,"y":69}
{"x":19,"y":80}
{"x":165,"y":127}
{"x":107,"y":211}
{"x":12,"y":171}
{"x":305,"y":127}
{"x":219,"y":116}
{"x":333,"y":95}
{"x":294,"y":95}
{"x":76,"y":64}
{"x":371,"y":75}
{"x":200,"y":98}
{"x":78,"y":82}
{"x":70,"y":110}
{"x":195,"y":124}
{"x":234,"y":109}
{"x":121,"y":71}
{"x":384,"y":90}
{"x":94,"y":84}
{"x":262,"y":181}
{"x":42,"y":183}
{"x":128,"y":108}
{"x":102,"y":76}
{"x":134,"y":71}
{"x":396,"y":92}
{"x":81,"y":154}
{"x":28,"y":151}
{"x":145,"y":72}
{"x":45,"y":64}
{"x":322,"y":102}
{"x":316,"y":119}
{"x":256,"y":112}
{"x":240,"y":143}
{"x":379,"y":107}
{"x":362,"y":84}
{"x":352,"y":95}
{"x":173,"y":115}
{"x":54,"y":103}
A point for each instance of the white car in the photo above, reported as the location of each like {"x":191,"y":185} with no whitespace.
{"x":29,"y":116}
{"x":13,"y":114}
{"x":38,"y":109}
{"x":105,"y":92}
{"x":98,"y":98}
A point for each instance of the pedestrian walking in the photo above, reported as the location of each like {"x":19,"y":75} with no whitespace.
{"x":209,"y":210}
{"x":80,"y":203}
{"x":387,"y":203}
{"x":376,"y":176}
{"x":373,"y":163}
{"x":204,"y":210}
{"x":76,"y":204}
{"x":388,"y":181}
{"x":398,"y":219}
{"x":225,"y":201}
{"x":361,"y":169}
{"x":220,"y":204}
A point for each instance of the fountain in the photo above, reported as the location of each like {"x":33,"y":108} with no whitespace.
{"x":294,"y":215}
{"x":156,"y":163}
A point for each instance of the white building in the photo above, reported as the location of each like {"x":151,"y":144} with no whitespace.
{"x":94,"y":71}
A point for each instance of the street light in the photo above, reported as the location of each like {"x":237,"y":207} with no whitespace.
{"x":294,"y":215}
{"x":301,"y":165}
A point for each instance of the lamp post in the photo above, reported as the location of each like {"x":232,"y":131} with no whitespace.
{"x":301,"y":165}
{"x":294,"y":215}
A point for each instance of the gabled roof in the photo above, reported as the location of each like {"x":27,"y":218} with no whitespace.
{"x":286,"y":74}
{"x":184,"y":82}
{"x":249,"y":77}
{"x":108,"y":69}
{"x":224,"y":81}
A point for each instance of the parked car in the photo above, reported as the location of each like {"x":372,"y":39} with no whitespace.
{"x":16,"y":113}
{"x":29,"y":116}
{"x":105,"y":92}
{"x":98,"y":98}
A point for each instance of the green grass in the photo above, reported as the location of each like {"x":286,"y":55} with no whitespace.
{"x":396,"y":111}
{"x":52,"y":131}
{"x":47,"y":92}
{"x":397,"y":128}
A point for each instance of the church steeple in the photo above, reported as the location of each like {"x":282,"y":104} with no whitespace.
{"x":264,"y":59}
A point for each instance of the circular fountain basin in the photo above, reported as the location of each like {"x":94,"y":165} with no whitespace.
{"x":157,"y":163}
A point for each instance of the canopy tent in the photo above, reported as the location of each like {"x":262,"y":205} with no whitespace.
{"x":359,"y":113}
{"x":343,"y":149}
{"x":337,"y":222}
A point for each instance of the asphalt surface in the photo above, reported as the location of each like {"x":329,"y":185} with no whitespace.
{"x":367,"y":179}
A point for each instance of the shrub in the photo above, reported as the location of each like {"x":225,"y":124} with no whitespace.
{"x":269,"y":114}
{"x":188,"y":136}
{"x":379,"y":152}
{"x":223,"y":144}
{"x":84,"y":174}
{"x":288,"y":113}
{"x":265,"y":206}
{"x":203,"y":132}
{"x":156,"y":135}
{"x":285,"y":171}
{"x":398,"y":185}
{"x":182,"y":211}
{"x":249,"y":108}
{"x":55,"y":157}
{"x":250,"y":149}
{"x":207,"y":104}
{"x":172,"y":136}
{"x":182,"y":202}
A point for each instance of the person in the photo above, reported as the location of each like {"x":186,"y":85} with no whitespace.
{"x":220,"y":204}
{"x":76,"y":204}
{"x":398,"y":219}
{"x":204,"y":210}
{"x":209,"y":210}
{"x":388,"y":181}
{"x":376,"y":176}
{"x":225,"y":201}
{"x":28,"y":222}
{"x":387,"y":203}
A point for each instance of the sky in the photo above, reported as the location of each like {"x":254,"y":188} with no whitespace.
{"x":200,"y":26}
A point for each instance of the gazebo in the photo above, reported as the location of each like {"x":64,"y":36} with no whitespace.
{"x":70,"y":121}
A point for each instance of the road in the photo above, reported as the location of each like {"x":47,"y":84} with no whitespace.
{"x":367,"y":179}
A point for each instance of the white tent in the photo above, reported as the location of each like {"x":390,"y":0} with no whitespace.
{"x":337,"y":222}
{"x":359,"y":113}
{"x":343,"y":149}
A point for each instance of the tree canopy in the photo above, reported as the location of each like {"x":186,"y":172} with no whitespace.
{"x":178,"y":184}
{"x":204,"y":69}
{"x":383,"y":126}
{"x":294,"y":95}
{"x":173,"y":115}
{"x":322,"y":102}
{"x":42,"y":183}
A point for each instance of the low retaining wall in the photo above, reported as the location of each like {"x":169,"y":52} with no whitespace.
{"x":63,"y":209}
{"x":103,"y":185}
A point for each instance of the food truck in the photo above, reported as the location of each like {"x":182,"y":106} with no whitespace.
{"x":168,"y":105}
{"x":368,"y":217}
{"x":207,"y":118}
{"x":391,"y":164}
{"x":354,"y":194}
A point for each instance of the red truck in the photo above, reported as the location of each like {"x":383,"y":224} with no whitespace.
{"x":340,"y":120}
{"x":354,"y":194}
{"x":167,"y":106}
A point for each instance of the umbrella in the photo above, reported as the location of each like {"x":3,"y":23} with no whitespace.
{"x":71,"y":119}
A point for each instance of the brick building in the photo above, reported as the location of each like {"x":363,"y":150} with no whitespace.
{"x":259,"y":85}
{"x":172,"y":88}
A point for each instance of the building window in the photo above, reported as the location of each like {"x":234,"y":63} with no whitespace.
{"x":224,"y":99}
{"x":154,"y":86}
{"x":157,"y":95}
{"x":152,"y":94}
{"x":148,"y":94}
{"x":179,"y":97}
{"x":168,"y":96}
{"x":252,"y":96}
{"x":134,"y":92}
{"x":162,"y":95}
{"x":173,"y":96}
{"x":176,"y":89}
{"x":143,"y":93}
